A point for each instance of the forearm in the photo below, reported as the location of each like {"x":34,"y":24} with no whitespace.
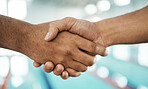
{"x":12,"y":33}
{"x":130,"y":28}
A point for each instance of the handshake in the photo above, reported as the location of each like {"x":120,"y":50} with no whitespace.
{"x":70,"y":46}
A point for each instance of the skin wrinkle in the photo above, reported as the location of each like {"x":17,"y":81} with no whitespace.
{"x":125,"y":29}
{"x":29,"y":40}
{"x":59,"y":44}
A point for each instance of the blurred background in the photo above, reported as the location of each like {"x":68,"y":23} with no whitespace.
{"x":126,"y":67}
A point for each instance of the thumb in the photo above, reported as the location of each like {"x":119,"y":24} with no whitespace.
{"x":52,"y":33}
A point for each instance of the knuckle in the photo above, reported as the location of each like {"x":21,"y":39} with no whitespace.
{"x":68,"y":18}
{"x":101,"y":51}
{"x":61,"y":60}
{"x":67,"y":51}
{"x":52,"y":24}
{"x":93,"y":47}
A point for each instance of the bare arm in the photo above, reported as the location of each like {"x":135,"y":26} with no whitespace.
{"x":28,"y":39}
{"x":130,"y":28}
{"x":12,"y":33}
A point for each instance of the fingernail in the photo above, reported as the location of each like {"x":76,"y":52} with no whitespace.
{"x":64,"y":75}
{"x":47,"y":36}
{"x":58,"y":69}
{"x":48,"y":67}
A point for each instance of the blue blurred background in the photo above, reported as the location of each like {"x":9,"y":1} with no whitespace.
{"x":126,"y":67}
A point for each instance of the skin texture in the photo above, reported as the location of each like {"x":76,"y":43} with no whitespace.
{"x":131,"y":28}
{"x":83,"y":28}
{"x":69,"y":39}
{"x":70,"y":51}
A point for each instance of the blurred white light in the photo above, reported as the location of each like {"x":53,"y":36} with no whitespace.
{"x":142,"y":87}
{"x":4,"y":66}
{"x":90,"y":9}
{"x":142,"y":56}
{"x":92,"y":68}
{"x":36,"y":85}
{"x":17,"y":9}
{"x":121,"y":52}
{"x":19,"y":66}
{"x":16,"y":81}
{"x":8,"y":52}
{"x":95,"y":19}
{"x":1,"y":80}
{"x":103,"y":72}
{"x":103,"y":5}
{"x":3,"y":7}
{"x":120,"y":80}
{"x":122,"y":2}
{"x":30,"y":1}
{"x":97,"y":58}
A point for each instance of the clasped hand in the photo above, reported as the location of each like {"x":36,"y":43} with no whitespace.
{"x":67,"y":54}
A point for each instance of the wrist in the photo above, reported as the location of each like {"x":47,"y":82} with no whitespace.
{"x":106,"y":33}
{"x":114,"y":30}
{"x":130,"y":28}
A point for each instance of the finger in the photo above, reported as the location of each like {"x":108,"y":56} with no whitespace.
{"x":58,"y":70}
{"x":54,"y":28}
{"x":73,"y":73}
{"x":101,"y":50}
{"x":77,"y":66}
{"x":48,"y":67}
{"x":36,"y":64}
{"x":83,"y":58}
{"x":90,"y":47}
{"x":53,"y":31}
{"x":58,"y":26}
{"x":65,"y":75}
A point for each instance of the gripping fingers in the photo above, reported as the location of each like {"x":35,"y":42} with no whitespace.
{"x":58,"y":69}
{"x":84,"y":58}
{"x":77,"y":66}
{"x":65,"y":75}
{"x":90,"y":47}
{"x":101,"y":50}
{"x":58,"y":26}
{"x":48,"y":67}
{"x":73,"y":73}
